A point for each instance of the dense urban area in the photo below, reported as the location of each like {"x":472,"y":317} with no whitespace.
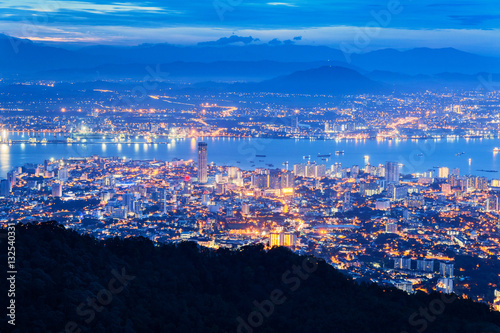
{"x":435,"y":230}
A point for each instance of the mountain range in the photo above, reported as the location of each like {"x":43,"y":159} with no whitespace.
{"x":25,"y":56}
{"x":294,"y":69}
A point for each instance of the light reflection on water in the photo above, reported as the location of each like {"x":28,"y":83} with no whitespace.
{"x":231,"y":150}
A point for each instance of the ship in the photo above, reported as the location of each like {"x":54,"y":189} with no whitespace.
{"x":260,"y":155}
{"x":324,"y":155}
{"x":496,"y":150}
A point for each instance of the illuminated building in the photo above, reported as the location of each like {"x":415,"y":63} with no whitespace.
{"x":446,"y":269}
{"x":287,"y":180}
{"x":245,"y":209}
{"x":282,"y":239}
{"x":391,"y":228}
{"x":202,"y":162}
{"x":444,"y":172}
{"x":57,"y":189}
{"x":425,"y":265}
{"x":392,"y":172}
{"x":402,"y":263}
{"x":445,"y":285}
{"x":299,"y":170}
{"x":382,"y":204}
{"x":406,"y":286}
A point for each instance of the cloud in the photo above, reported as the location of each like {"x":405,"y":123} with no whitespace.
{"x":275,"y":42}
{"x":230,"y":40}
{"x":50,"y":6}
{"x":319,"y":22}
{"x":286,"y":4}
{"x":474,"y":19}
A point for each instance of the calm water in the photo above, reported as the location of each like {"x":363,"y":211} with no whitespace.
{"x":415,"y":155}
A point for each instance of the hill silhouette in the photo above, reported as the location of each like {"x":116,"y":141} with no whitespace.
{"x":326,"y":80}
{"x":68,"y":282}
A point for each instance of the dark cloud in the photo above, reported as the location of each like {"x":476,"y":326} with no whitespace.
{"x":230,"y":40}
{"x":275,"y":41}
{"x":297,"y":38}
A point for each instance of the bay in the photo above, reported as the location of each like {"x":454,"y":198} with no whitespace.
{"x":250,"y":153}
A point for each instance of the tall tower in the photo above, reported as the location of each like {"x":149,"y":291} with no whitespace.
{"x":202,"y":162}
{"x":392,"y":172}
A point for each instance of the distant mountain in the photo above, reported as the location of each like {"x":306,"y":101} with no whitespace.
{"x":75,"y":282}
{"x":426,"y":61}
{"x":18,"y":56}
{"x":324,"y":80}
{"x":440,"y":81}
{"x":223,"y":63}
{"x":188,"y":71}
{"x":162,"y":53}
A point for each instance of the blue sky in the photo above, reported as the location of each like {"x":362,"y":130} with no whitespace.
{"x":468,"y":25}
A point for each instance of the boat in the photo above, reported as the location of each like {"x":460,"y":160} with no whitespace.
{"x":496,"y":150}
{"x":324,"y":155}
{"x":482,"y":170}
{"x":260,"y":155}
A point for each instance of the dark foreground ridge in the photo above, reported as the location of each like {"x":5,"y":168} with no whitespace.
{"x":68,"y":282}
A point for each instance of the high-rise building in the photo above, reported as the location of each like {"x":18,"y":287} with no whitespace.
{"x":202,"y":162}
{"x":402,"y":263}
{"x":391,"y":228}
{"x":282,"y":239}
{"x":400,"y":192}
{"x":310,"y":170}
{"x":406,"y":286}
{"x":57,"y":189}
{"x":295,"y":124}
{"x":445,"y":285}
{"x":319,"y":170}
{"x":11,"y":177}
{"x":299,"y":170}
{"x":5,"y":188}
{"x":63,"y":174}
{"x":444,"y":172}
{"x":392,"y":172}
{"x":287,"y":179}
{"x":446,"y":269}
{"x":274,"y":181}
{"x":245,"y":209}
{"x":355,"y":171}
{"x":425,"y":265}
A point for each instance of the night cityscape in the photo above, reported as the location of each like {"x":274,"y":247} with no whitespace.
{"x":249,"y":166}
